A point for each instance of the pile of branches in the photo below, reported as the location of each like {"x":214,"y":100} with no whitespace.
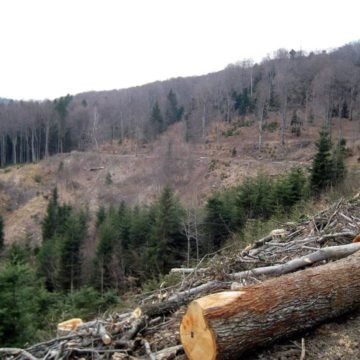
{"x":151,"y":331}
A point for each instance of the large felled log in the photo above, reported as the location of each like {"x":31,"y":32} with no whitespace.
{"x":224,"y":325}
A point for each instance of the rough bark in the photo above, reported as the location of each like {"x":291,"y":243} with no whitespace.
{"x":224,"y":325}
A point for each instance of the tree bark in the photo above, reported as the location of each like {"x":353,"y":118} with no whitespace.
{"x":224,"y":325}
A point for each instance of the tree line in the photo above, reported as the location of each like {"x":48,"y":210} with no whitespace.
{"x":300,"y":88}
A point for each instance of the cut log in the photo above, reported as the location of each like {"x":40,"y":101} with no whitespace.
{"x":224,"y":325}
{"x":327,"y":253}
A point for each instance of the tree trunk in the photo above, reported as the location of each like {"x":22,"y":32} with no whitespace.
{"x":14,"y":145}
{"x":47,"y":135}
{"x":224,"y":325}
{"x":33,"y":151}
{"x":3,"y":151}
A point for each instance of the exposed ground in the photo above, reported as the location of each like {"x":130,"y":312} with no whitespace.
{"x":136,"y":173}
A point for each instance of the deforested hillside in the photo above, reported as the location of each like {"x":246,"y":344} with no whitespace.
{"x":136,"y":174}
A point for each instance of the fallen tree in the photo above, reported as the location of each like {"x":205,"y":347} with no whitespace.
{"x":328,"y":253}
{"x":224,"y":325}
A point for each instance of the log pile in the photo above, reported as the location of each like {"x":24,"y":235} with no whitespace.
{"x":151,"y":331}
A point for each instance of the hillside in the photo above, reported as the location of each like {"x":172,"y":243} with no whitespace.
{"x":296,"y":88}
{"x":152,"y":329}
{"x":136,"y":174}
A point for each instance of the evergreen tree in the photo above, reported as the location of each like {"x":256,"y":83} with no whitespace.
{"x":49,"y":224}
{"x":70,"y":252}
{"x":100,"y":216}
{"x":61,"y":106}
{"x":217,"y":223}
{"x":290,"y":189}
{"x":243,"y":102}
{"x":322,"y":166}
{"x":103,"y":274}
{"x":20,"y":299}
{"x":48,"y":260}
{"x":295,"y":124}
{"x":156,"y":120}
{"x":54,"y":234}
{"x":255,"y":198}
{"x":139,"y":227}
{"x":339,"y":169}
{"x":167,"y":246}
{"x":174,"y":112}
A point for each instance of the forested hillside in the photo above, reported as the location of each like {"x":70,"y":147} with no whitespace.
{"x":299,"y":88}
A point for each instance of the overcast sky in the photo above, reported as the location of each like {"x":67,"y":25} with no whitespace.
{"x":53,"y":47}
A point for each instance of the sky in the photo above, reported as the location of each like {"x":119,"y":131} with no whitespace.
{"x":50,"y":48}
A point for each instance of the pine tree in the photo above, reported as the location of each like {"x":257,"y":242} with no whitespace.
{"x":322,"y":166}
{"x":167,"y":246}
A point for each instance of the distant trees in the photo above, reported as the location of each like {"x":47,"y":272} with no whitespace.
{"x":318,"y":87}
{"x":328,"y":167}
{"x":156,"y":120}
{"x":139,"y":242}
{"x":30,"y":131}
{"x":59,"y":258}
{"x":28,"y":310}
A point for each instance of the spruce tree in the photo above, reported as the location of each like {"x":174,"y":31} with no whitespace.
{"x":217,"y":223}
{"x":255,"y":197}
{"x":174,"y":112}
{"x":20,"y":304}
{"x":156,"y":120}
{"x":103,"y":274}
{"x":54,"y":228}
{"x":339,"y":169}
{"x":49,"y":224}
{"x":322,"y":167}
{"x":167,"y":242}
{"x":70,"y":252}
